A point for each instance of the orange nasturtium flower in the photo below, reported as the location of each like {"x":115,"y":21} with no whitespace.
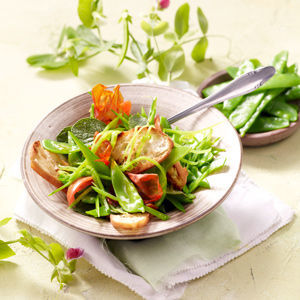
{"x":105,"y":101}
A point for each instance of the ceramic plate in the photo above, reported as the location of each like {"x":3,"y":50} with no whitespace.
{"x":253,"y":139}
{"x":170,"y":102}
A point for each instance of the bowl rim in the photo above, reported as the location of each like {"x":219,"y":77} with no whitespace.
{"x":25,"y":176}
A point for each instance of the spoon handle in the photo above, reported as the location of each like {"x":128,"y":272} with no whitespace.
{"x":240,"y":86}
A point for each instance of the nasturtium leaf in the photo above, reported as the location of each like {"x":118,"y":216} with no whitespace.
{"x":171,"y":63}
{"x":199,"y":50}
{"x":203,"y":23}
{"x":5,"y":251}
{"x":182,"y":20}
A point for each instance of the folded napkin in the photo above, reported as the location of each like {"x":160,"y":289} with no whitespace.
{"x":159,"y":268}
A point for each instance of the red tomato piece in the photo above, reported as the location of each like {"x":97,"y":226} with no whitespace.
{"x":148,"y":185}
{"x":77,"y":186}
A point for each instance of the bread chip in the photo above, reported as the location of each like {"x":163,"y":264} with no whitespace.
{"x":129,"y":221}
{"x":158,"y":147}
{"x":46,"y":163}
{"x":177,"y":175}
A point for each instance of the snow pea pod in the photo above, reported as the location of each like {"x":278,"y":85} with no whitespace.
{"x":59,"y":147}
{"x":279,"y":108}
{"x":263,"y":124}
{"x":262,"y":104}
{"x":128,"y":196}
{"x":280,"y":81}
{"x":280,"y":61}
{"x":91,"y":157}
{"x":293,"y":93}
{"x":74,"y":157}
{"x":245,"y":110}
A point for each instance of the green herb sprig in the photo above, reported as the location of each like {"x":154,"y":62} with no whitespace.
{"x":87,"y":40}
{"x":64,"y":264}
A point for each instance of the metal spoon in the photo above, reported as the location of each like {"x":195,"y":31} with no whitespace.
{"x":240,"y":86}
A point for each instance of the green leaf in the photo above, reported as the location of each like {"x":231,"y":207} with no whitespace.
{"x":54,"y":274}
{"x":199,"y":50}
{"x":73,"y":63}
{"x":160,"y":28}
{"x":171,"y":63}
{"x":176,"y":154}
{"x":46,"y":61}
{"x":57,"y":252}
{"x":170,"y":36}
{"x":182,"y":20}
{"x":63,"y":135}
{"x":203,"y":23}
{"x":72,"y":265}
{"x":137,"y":120}
{"x":4,"y":221}
{"x":5,"y":251}
{"x":85,"y":11}
{"x":147,"y":27}
{"x":85,"y":129}
{"x":40,"y":244}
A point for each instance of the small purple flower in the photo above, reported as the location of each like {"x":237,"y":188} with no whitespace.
{"x":74,"y":253}
{"x":162,"y":4}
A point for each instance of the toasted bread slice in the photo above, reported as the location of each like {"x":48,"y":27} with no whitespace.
{"x":129,"y":221}
{"x":158,"y":147}
{"x":177,"y":175}
{"x":46,"y":163}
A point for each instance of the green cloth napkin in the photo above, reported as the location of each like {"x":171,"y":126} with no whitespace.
{"x":155,"y":258}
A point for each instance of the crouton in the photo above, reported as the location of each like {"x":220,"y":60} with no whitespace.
{"x":129,"y":221}
{"x":46,"y":163}
{"x":157,"y":147}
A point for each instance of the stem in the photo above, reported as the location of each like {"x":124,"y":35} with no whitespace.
{"x":126,"y":57}
{"x":99,"y":34}
{"x":9,"y":242}
{"x":40,"y":253}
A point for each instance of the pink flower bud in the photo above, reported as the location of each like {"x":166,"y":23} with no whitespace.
{"x":73,"y":253}
{"x":162,"y":4}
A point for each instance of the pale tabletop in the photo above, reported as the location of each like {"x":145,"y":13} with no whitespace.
{"x":256,"y":29}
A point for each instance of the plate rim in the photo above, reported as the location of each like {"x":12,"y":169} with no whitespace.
{"x":25,"y":177}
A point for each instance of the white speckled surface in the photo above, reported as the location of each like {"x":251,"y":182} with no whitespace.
{"x":257,"y":28}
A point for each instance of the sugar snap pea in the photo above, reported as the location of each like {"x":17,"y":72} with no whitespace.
{"x":293,"y":93}
{"x":128,"y":196}
{"x":279,"y":108}
{"x":263,"y":124}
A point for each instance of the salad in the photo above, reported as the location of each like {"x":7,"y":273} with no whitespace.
{"x":126,"y":167}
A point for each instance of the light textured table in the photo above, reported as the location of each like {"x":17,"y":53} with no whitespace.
{"x":256,"y":28}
